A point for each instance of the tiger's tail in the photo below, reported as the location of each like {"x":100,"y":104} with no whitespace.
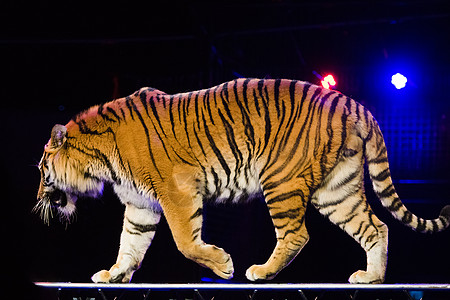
{"x":377,"y":161}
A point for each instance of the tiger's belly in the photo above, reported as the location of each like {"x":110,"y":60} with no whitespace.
{"x":233,"y":188}
{"x":128,"y":194}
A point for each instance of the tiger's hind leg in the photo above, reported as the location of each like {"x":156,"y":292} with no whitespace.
{"x":342,"y":200}
{"x":287,"y":206}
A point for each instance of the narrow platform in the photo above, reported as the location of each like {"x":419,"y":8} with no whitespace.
{"x":243,"y":286}
{"x":204,"y":291}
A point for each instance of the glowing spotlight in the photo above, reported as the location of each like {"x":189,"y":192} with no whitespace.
{"x":399,"y":81}
{"x":328,"y":82}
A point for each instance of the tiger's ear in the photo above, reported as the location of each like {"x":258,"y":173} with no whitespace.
{"x":58,"y":138}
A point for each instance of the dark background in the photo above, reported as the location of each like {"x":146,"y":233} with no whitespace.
{"x":58,"y":58}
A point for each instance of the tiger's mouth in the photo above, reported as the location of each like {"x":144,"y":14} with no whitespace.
{"x":56,"y":201}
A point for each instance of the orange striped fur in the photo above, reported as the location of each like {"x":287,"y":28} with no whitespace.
{"x":293,"y":141}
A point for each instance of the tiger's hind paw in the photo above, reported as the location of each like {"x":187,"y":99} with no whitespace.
{"x":259,"y":272}
{"x":365,"y":277}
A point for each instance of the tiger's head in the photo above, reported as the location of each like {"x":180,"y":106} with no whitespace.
{"x":65,"y":176}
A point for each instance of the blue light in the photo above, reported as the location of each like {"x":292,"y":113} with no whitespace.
{"x":399,"y":81}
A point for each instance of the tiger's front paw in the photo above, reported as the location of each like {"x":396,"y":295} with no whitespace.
{"x":365,"y":277}
{"x":259,"y":272}
{"x":104,"y":276}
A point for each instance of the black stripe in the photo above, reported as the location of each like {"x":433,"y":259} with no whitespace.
{"x":304,"y":132}
{"x":180,"y":100}
{"x":244,"y":93}
{"x":225,"y":91}
{"x":217,"y":182}
{"x":267,"y":126}
{"x":295,"y":113}
{"x":215,"y":95}
{"x":113,"y":112}
{"x":295,"y":229}
{"x":358,"y":230}
{"x":337,"y":201}
{"x":407,"y":217}
{"x":143,"y":98}
{"x":331,"y":114}
{"x":277,"y":95}
{"x":184,"y":120}
{"x":97,"y":154}
{"x":198,"y":213}
{"x":199,"y":142}
{"x":435,"y":226}
{"x":346,"y":220}
{"x":378,"y":160}
{"x":128,"y":103}
{"x":188,"y":102}
{"x":172,"y":122}
{"x":248,"y":127}
{"x":207,"y":104}
{"x":147,"y":134}
{"x":123,"y":114}
{"x":255,"y":100}
{"x":232,"y":142}
{"x":344,"y":118}
{"x":387,"y":192}
{"x":395,"y":205}
{"x":197,"y":115}
{"x":290,"y":214}
{"x":349,"y":153}
{"x":382,"y":175}
{"x":275,"y":147}
{"x":369,"y":240}
{"x":155,"y":113}
{"x":132,"y":232}
{"x":225,"y":104}
{"x":195,"y":234}
{"x":185,"y":110}
{"x":444,"y":221}
{"x":130,"y":172}
{"x":421,"y":225}
{"x":216,"y":150}
{"x":143,"y":227}
{"x":104,"y":116}
{"x":285,"y":196}
{"x":347,"y":180}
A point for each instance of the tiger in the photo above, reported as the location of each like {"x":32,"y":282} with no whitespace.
{"x":290,"y":141}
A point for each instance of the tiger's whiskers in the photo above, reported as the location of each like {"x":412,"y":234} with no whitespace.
{"x":45,"y":210}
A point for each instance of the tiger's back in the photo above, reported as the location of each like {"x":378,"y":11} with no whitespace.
{"x":289,"y":139}
{"x":237,"y":134}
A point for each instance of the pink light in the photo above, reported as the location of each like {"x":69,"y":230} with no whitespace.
{"x":328,"y":81}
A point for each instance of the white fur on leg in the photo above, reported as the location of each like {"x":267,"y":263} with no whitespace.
{"x":137,"y":235}
{"x":376,"y":261}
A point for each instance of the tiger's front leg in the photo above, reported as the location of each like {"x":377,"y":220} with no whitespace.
{"x":139,"y":228}
{"x":183,"y":208}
